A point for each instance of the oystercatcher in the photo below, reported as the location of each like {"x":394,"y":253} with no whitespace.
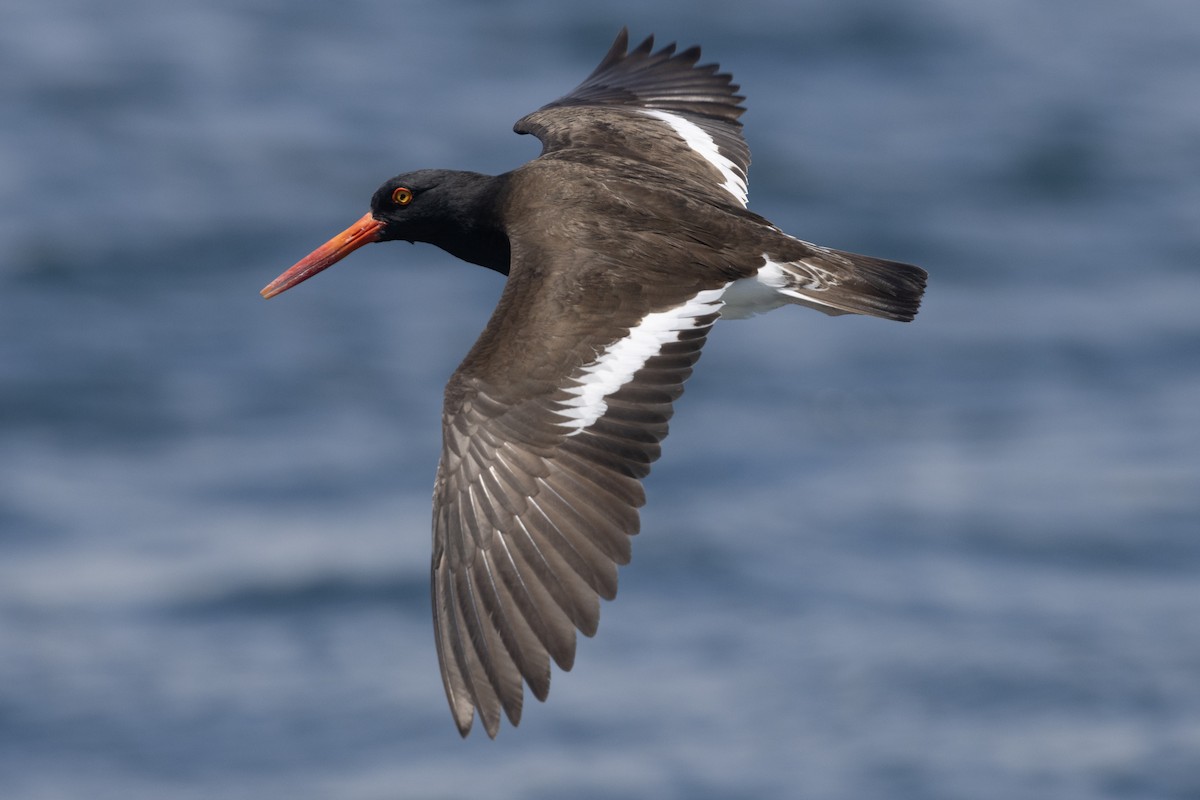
{"x":623,"y":243}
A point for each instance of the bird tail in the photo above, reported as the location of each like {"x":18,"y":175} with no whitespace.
{"x":837,"y":282}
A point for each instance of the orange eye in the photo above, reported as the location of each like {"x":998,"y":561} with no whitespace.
{"x":402,"y":196}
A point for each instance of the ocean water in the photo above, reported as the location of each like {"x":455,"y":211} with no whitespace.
{"x":954,"y":559}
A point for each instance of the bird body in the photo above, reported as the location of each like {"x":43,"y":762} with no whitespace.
{"x":623,"y":243}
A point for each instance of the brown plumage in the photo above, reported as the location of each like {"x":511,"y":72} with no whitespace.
{"x":623,"y":242}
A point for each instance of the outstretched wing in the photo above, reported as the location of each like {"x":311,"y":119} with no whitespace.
{"x":549,"y":426}
{"x":652,"y":109}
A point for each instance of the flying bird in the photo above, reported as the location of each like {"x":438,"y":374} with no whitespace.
{"x":623,"y":243}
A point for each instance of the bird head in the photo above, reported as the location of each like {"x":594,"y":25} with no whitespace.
{"x":416,"y":207}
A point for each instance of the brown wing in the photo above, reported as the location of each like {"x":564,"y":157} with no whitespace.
{"x":549,"y":425}
{"x":653,"y":109}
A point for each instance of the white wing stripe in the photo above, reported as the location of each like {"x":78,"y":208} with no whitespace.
{"x":616,"y":365}
{"x":703,"y":144}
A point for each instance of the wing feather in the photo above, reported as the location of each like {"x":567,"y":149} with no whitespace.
{"x":672,"y":120}
{"x":533,"y":518}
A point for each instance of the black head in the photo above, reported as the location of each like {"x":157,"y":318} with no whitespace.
{"x":457,"y":211}
{"x":425,"y":205}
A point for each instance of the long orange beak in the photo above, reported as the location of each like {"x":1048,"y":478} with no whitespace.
{"x":365,"y":231}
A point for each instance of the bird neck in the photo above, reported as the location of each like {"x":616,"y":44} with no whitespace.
{"x":475,"y":231}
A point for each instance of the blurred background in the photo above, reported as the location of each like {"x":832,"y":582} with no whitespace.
{"x":953,"y":559}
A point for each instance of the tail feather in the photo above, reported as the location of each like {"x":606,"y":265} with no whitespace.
{"x":838,"y":282}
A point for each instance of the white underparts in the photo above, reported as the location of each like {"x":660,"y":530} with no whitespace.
{"x":775,"y":285}
{"x":754,"y":295}
{"x":616,"y":365}
{"x":699,"y":140}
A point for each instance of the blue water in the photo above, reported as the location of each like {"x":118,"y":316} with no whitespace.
{"x":955,"y":559}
